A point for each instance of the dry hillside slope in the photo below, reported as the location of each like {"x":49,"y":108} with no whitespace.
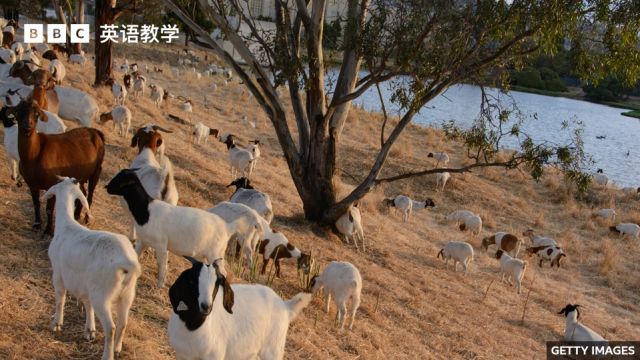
{"x":412,"y":307}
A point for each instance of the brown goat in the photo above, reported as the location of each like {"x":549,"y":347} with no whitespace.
{"x":78,"y":153}
{"x":149,"y":136}
{"x":508,"y":243}
{"x":43,"y":90}
{"x":23,"y":69}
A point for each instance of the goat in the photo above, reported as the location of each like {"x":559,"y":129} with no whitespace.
{"x":119,"y":92}
{"x":57,"y":70}
{"x":43,"y":92}
{"x":121,"y":117}
{"x":341,"y":280}
{"x":442,"y":179}
{"x":78,"y":59}
{"x":406,"y":205}
{"x":254,"y":148}
{"x":7,"y":56}
{"x":76,"y":153}
{"x":149,"y":136}
{"x":77,"y":105}
{"x":553,"y":254}
{"x":440,"y":157}
{"x":575,"y":331}
{"x":240,"y":159}
{"x":184,"y":231}
{"x":257,"y":200}
{"x":97,"y":267}
{"x":350,"y":226}
{"x":278,"y":247}
{"x":539,"y":240}
{"x":629,"y":229}
{"x":600,"y":178}
{"x":199,"y":328}
{"x":201,"y":132}
{"x":473,"y":224}
{"x":157,"y":94}
{"x":507,"y":242}
{"x":48,"y":123}
{"x":460,"y":252}
{"x":138,"y":86}
{"x":513,"y":268}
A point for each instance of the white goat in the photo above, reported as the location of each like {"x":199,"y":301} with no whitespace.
{"x":553,"y":254}
{"x":57,"y":70}
{"x":156,"y":94}
{"x":184,"y":231}
{"x":254,"y":148}
{"x":600,"y":178}
{"x":537,"y":240}
{"x":341,"y":280}
{"x":575,"y":331}
{"x":442,"y":179}
{"x":240,"y":159}
{"x":138,"y":86}
{"x":206,"y":326}
{"x":201,"y":132}
{"x":406,"y":205}
{"x":605,"y":214}
{"x":248,"y":224}
{"x":459,"y":216}
{"x":473,"y":224}
{"x":78,"y":59}
{"x":8,"y":56}
{"x":119,"y":93}
{"x":440,"y":157}
{"x":512,"y":267}
{"x":121,"y":117}
{"x":97,"y":267}
{"x":459,"y":251}
{"x":628,"y":229}
{"x":77,"y":105}
{"x":350,"y":226}
{"x":257,"y":200}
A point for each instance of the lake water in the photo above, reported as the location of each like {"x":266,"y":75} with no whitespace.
{"x":622,"y":134}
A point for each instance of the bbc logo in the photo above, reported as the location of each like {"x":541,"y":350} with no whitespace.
{"x":56,"y":33}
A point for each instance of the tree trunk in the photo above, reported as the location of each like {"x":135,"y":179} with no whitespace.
{"x":76,"y":48}
{"x":104,"y":15}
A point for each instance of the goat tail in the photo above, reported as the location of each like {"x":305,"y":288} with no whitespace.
{"x":440,"y":253}
{"x":297,"y":303}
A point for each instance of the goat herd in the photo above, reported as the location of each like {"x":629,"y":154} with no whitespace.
{"x":101,"y":268}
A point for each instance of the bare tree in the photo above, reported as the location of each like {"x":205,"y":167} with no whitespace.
{"x":421,"y":47}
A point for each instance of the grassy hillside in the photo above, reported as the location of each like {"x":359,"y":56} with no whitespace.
{"x":412,"y":307}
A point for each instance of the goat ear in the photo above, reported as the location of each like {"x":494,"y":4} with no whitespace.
{"x":50,"y":84}
{"x":48,"y":195}
{"x":228,"y":296}
{"x":42,"y":116}
{"x":83,"y":201}
{"x":134,"y":140}
{"x":191,"y":260}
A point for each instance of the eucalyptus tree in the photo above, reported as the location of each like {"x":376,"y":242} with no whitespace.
{"x":421,"y":48}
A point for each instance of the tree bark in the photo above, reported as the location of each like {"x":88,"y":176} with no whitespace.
{"x":76,"y":48}
{"x":104,"y":15}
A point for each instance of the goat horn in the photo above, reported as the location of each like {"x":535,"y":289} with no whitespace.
{"x":156,"y":127}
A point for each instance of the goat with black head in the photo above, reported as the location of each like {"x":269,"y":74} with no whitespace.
{"x":574,"y":330}
{"x":206,"y":326}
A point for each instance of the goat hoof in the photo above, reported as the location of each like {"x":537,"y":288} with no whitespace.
{"x":90,"y":334}
{"x":55,"y":326}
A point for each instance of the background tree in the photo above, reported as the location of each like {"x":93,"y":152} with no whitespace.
{"x":107,"y":12}
{"x":420,"y":47}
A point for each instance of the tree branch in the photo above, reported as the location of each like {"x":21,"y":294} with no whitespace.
{"x":439,"y":170}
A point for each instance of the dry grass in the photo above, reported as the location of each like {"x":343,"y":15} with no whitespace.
{"x":413,"y":308}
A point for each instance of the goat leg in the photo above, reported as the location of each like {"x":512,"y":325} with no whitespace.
{"x":35,"y":197}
